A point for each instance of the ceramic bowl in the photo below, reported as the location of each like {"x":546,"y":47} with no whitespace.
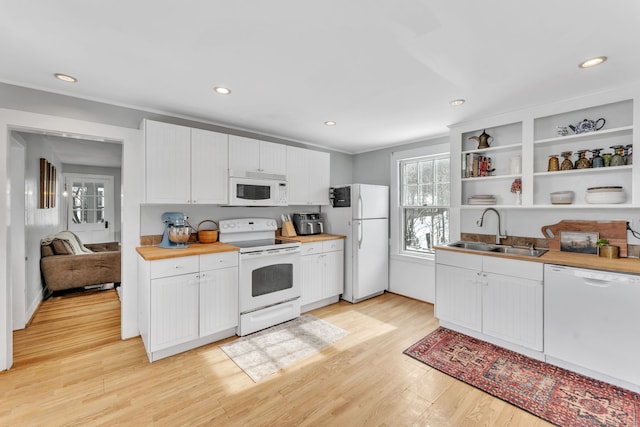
{"x":561,"y":197}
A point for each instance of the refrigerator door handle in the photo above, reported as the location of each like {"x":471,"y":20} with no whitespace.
{"x":360,"y":235}
{"x":360,"y":206}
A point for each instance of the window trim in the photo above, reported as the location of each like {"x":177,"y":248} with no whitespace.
{"x":395,"y":220}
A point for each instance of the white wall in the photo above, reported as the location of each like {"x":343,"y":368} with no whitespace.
{"x":529,"y":222}
{"x":39,"y":222}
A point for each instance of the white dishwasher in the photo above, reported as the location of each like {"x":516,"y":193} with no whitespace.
{"x":592,"y":319}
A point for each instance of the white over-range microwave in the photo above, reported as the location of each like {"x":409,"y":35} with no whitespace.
{"x":257,"y":189}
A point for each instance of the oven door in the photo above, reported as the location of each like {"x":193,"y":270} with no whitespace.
{"x":269,"y":277}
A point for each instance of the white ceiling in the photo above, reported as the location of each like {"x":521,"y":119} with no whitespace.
{"x":78,"y":151}
{"x":383,"y":70}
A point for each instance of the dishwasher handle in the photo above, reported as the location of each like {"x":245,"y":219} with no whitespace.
{"x":598,"y":283}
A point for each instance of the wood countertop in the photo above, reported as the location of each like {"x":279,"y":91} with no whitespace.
{"x":313,"y":238}
{"x":619,"y":265}
{"x":154,"y":253}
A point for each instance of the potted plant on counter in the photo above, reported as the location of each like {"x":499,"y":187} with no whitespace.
{"x":606,"y":250}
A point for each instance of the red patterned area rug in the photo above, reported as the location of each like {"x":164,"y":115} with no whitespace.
{"x":549,"y":392}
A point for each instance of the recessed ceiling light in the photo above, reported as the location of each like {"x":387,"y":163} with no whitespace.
{"x":222,"y":90}
{"x":592,"y":62}
{"x":65,"y":78}
{"x":456,"y":102}
{"x":330,"y":123}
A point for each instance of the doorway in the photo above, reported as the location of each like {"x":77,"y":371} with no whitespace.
{"x":132,"y":146}
{"x":77,"y":195}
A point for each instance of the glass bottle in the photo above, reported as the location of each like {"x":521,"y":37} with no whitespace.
{"x":618,"y":158}
{"x":566,"y":163}
{"x":554,"y":163}
{"x":597,"y":161}
{"x":582,"y":162}
{"x":607,"y":159}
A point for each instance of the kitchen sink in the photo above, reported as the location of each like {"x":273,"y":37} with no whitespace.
{"x":519,"y":251}
{"x":474,"y":246}
{"x":502,"y":249}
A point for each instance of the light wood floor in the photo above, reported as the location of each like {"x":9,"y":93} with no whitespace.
{"x":71,"y":368}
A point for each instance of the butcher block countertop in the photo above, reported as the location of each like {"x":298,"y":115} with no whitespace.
{"x":313,"y":238}
{"x":154,"y":253}
{"x":621,"y":265}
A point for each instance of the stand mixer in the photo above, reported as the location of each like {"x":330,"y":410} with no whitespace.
{"x":176,"y":231}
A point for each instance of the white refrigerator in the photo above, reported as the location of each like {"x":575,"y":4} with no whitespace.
{"x":365,"y":222}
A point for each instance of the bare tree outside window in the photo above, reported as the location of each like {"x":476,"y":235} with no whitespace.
{"x":425,"y":193}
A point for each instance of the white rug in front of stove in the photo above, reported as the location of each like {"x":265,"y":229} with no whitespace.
{"x":266,"y":352}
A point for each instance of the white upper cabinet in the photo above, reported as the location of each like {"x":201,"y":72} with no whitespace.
{"x":168,"y":162}
{"x":252,"y":155}
{"x":185,"y":165}
{"x":209,"y":167}
{"x":308,"y":174}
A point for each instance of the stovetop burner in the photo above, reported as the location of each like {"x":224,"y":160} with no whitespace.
{"x":253,"y":235}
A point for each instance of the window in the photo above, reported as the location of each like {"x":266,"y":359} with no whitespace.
{"x":87,"y":202}
{"x":424,"y":203}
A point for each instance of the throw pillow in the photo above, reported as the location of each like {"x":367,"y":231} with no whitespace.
{"x":61,"y":247}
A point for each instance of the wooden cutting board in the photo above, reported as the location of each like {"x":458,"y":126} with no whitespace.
{"x":614,"y":231}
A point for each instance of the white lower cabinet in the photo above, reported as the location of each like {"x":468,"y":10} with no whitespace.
{"x":322,"y":273}
{"x":187,"y":302}
{"x":174,"y":312}
{"x":218,"y":300}
{"x":458,"y":296}
{"x":496,"y":297}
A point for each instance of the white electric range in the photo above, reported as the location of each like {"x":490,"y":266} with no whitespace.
{"x":269,"y":273}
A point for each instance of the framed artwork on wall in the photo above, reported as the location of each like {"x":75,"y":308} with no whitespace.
{"x":47,"y":185}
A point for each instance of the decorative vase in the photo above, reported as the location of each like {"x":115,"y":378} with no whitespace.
{"x":609,"y":251}
{"x":518,"y":197}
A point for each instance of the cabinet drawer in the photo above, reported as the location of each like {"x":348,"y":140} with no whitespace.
{"x":219,"y":260}
{"x":333,"y":245}
{"x":457,"y":259}
{"x":311,"y":248}
{"x":513,"y":267}
{"x":174,"y":266}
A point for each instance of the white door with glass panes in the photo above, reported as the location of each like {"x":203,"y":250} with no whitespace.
{"x":90,"y":204}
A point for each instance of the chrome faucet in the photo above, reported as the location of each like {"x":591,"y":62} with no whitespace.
{"x":498,"y":235}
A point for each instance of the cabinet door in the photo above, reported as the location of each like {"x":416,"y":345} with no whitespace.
{"x":168,"y":162}
{"x":318,"y":170}
{"x":244,"y":154}
{"x":312,"y":278}
{"x":218,"y":300}
{"x":458,"y":296}
{"x":273,"y":158}
{"x":334,"y":273}
{"x":512,"y":309}
{"x":174,"y":310}
{"x":209,"y":167}
{"x":297,"y":176}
